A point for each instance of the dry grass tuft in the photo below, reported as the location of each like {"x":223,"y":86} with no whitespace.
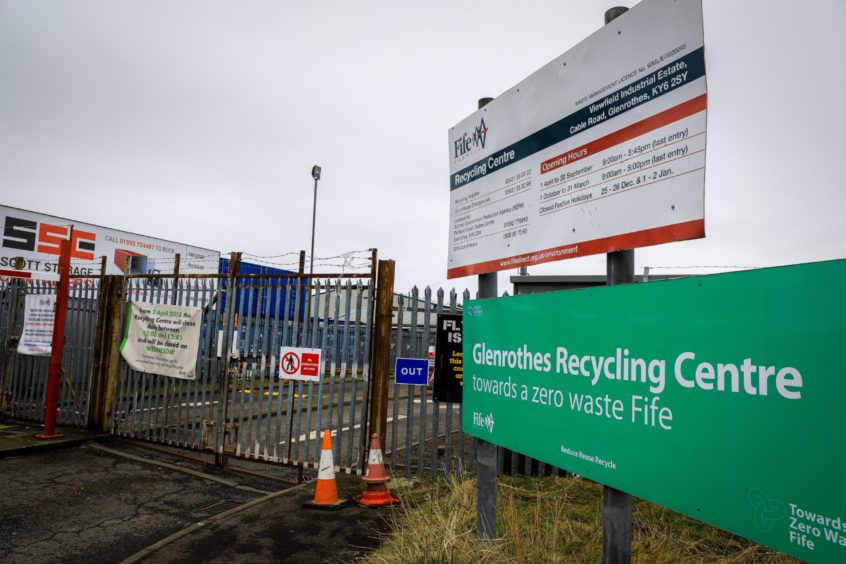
{"x":547,"y":520}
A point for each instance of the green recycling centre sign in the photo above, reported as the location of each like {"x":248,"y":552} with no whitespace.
{"x":721,"y":397}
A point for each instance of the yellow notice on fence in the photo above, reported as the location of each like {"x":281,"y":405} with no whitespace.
{"x":162,"y":339}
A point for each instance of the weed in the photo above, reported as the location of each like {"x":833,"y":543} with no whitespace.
{"x":547,"y":520}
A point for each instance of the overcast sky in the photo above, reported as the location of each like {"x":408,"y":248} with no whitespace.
{"x":199,"y":121}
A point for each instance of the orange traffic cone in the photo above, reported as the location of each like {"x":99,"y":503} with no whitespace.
{"x":326,"y":492}
{"x":376,"y":492}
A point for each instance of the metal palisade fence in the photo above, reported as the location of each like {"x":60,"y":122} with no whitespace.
{"x":425,"y":436}
{"x":24,"y":377}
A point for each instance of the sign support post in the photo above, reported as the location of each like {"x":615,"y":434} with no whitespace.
{"x":54,"y":379}
{"x":486,"y":453}
{"x":617,"y":505}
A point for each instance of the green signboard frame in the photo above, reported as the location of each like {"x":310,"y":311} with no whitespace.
{"x":721,"y":397}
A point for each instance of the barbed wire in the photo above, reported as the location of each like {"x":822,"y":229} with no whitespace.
{"x":275,"y":263}
{"x":342,"y":255}
{"x":270,"y":256}
{"x":359,"y":259}
{"x":357,"y":251}
{"x":342,"y":265}
{"x":349,"y":260}
{"x":260,"y":258}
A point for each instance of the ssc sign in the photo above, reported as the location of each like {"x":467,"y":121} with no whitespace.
{"x":412,"y":371}
{"x":299,"y":363}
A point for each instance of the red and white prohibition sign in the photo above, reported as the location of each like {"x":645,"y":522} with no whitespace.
{"x":299,"y":363}
{"x":290,"y":363}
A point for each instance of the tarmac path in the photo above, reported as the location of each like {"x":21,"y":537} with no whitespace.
{"x":107,"y":503}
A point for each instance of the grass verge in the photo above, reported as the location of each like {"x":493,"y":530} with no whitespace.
{"x":547,"y":520}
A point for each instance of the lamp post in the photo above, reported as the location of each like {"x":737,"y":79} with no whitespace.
{"x":315,"y":173}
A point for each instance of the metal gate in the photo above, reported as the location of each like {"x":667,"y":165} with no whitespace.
{"x":24,"y":377}
{"x":239,"y":406}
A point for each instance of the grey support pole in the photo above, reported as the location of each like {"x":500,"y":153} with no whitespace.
{"x":313,"y":222}
{"x":617,"y":505}
{"x":315,"y":173}
{"x":486,"y":453}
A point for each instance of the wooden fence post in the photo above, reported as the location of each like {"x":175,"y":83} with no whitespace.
{"x":107,"y":337}
{"x":378,"y":420}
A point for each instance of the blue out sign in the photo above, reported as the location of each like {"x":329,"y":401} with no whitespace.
{"x":413,"y":371}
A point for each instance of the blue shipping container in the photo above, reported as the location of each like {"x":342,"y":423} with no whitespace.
{"x":262,"y":299}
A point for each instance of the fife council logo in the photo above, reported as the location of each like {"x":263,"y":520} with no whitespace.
{"x":483,"y":421}
{"x":471,"y":143}
{"x":475,"y":311}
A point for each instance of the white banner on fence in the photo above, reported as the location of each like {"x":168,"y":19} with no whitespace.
{"x":163,"y":339}
{"x":37,"y":334}
{"x":602,"y":149}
